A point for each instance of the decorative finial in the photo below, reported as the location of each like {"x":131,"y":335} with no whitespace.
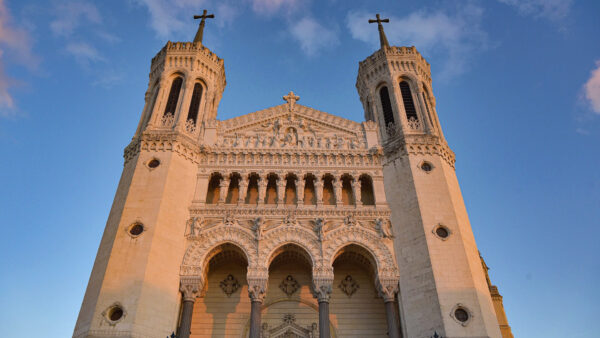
{"x":291,"y":99}
{"x":382,"y":38}
{"x":200,"y":32}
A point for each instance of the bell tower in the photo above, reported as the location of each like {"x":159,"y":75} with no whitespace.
{"x":443,"y":289}
{"x":134,"y":287}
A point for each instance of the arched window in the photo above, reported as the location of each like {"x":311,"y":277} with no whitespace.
{"x":409,"y":104}
{"x":271,"y":195}
{"x":252,"y":194}
{"x":214,"y":190}
{"x":310,"y":195}
{"x":195,"y":104}
{"x":173,"y":96}
{"x":366,"y":190}
{"x":347,"y":196}
{"x":328,"y":192}
{"x":386,"y":104}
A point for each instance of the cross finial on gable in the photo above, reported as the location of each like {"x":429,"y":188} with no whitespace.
{"x":291,"y":99}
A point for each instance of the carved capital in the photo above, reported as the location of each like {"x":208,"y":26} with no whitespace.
{"x":322,"y":283}
{"x":257,"y":284}
{"x":387,"y":289}
{"x":191,"y":287}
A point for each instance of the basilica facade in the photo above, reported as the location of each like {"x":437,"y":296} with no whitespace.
{"x":289,"y":221}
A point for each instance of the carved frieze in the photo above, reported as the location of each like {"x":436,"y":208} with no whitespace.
{"x":229,"y":285}
{"x":348,"y":285}
{"x":289,"y":285}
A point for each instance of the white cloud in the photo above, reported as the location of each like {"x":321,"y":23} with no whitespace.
{"x":84,"y":53}
{"x":591,"y":89}
{"x":169,"y":17}
{"x":455,"y":37}
{"x":554,"y":10}
{"x":16,"y":43}
{"x":312,"y":36}
{"x":71,"y":15}
{"x":271,"y":7}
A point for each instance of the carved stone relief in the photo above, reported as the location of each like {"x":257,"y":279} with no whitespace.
{"x":348,"y":286}
{"x":229,"y":285}
{"x":289,"y":285}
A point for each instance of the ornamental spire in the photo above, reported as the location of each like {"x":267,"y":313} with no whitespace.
{"x":382,"y":38}
{"x":204,"y":16}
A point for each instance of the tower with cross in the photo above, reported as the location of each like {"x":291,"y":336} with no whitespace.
{"x":395,"y":88}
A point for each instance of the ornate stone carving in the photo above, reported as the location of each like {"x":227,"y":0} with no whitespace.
{"x":258,"y":227}
{"x":350,"y":221}
{"x":413,"y":123}
{"x":194,"y":225}
{"x":190,"y":126}
{"x":384,"y":228}
{"x":290,"y":220}
{"x":257,"y":287}
{"x":289,"y":285}
{"x":322,"y":286}
{"x":191,"y":287}
{"x":167,"y":120}
{"x":229,"y":285}
{"x":230,"y":220}
{"x":348,"y":285}
{"x":319,"y":228}
{"x":387,"y":287}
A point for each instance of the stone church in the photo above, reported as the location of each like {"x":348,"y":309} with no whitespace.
{"x":289,"y":221}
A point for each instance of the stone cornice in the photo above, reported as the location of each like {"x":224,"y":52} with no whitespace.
{"x":164,"y":140}
{"x":328,"y":212}
{"x":400,"y":146}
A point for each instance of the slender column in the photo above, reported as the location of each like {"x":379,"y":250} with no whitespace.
{"x":388,"y":290}
{"x":281,"y":189}
{"x":356,"y":186}
{"x":257,"y":289}
{"x":322,"y":287}
{"x":300,"y":188}
{"x":319,"y":189}
{"x":337,"y":185}
{"x":155,"y":113}
{"x":262,"y":189}
{"x":224,"y":188}
{"x":190,"y":289}
{"x":243,"y":188}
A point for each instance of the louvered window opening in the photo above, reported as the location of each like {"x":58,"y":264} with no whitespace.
{"x":173,"y":97}
{"x":388,"y":113}
{"x":407,"y":98}
{"x":195,"y":104}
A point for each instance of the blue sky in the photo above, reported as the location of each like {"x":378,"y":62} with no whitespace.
{"x":517,"y":84}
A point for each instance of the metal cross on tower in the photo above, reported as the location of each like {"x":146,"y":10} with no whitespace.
{"x":200,"y":32}
{"x":382,"y":38}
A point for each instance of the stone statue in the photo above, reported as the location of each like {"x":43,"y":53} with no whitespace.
{"x":384,"y":228}
{"x":258,"y":227}
{"x":319,"y":228}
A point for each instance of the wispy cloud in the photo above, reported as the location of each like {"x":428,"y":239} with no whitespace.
{"x":84,"y":53}
{"x":170,"y":16}
{"x":16,"y":44}
{"x":554,"y":10}
{"x":455,"y":37}
{"x":271,"y":7}
{"x":591,"y":89}
{"x":71,"y":15}
{"x":313,"y":36}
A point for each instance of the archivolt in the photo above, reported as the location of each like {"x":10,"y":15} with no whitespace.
{"x":344,"y":236}
{"x":194,"y":260}
{"x":288,"y":234}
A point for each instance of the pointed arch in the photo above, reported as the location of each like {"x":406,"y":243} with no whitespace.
{"x":386,"y":106}
{"x":195,"y":102}
{"x":173,"y":98}
{"x":407,"y":99}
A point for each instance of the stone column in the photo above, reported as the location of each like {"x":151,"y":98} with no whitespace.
{"x":243,"y":191}
{"x":262,"y":189}
{"x":319,"y":189}
{"x":322,"y":287}
{"x":223,"y":189}
{"x":281,"y":183}
{"x":300,"y":188}
{"x":155,"y":112}
{"x":186,"y":99}
{"x":257,"y":289}
{"x":190,"y":288}
{"x":356,"y":186}
{"x":388,"y":290}
{"x":337,"y":187}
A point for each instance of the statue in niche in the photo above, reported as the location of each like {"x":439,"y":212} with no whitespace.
{"x":384,"y":228}
{"x":291,"y":137}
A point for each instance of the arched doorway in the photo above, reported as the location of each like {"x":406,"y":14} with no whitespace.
{"x":224,"y":308}
{"x":355,"y":308}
